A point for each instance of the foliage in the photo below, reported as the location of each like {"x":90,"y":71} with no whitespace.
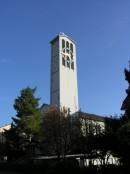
{"x":3,"y":149}
{"x":59,"y":131}
{"x":117,"y":132}
{"x":107,"y":143}
{"x":124,"y":129}
{"x":127,"y":75}
{"x":26,"y":122}
{"x":27,"y":110}
{"x":76,"y":136}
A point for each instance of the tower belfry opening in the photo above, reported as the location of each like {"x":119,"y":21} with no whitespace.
{"x":64,"y":88}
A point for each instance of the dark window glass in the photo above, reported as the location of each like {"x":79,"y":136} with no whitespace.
{"x":71,"y":47}
{"x":67,"y":50}
{"x":67,"y":44}
{"x":71,"y":56}
{"x":72,"y":65}
{"x":63,"y":61}
{"x":68,"y":62}
{"x":63,"y":43}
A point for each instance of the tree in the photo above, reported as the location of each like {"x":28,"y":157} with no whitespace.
{"x":14,"y":143}
{"x":54,"y":131}
{"x":106,"y":142}
{"x":126,"y":102}
{"x":77,"y":141}
{"x":124,"y":130}
{"x":28,"y":112}
{"x":59,"y":132}
{"x":117,"y":132}
{"x":27,"y":119}
{"x":87,"y":134}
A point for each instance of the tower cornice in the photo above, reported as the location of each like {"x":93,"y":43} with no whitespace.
{"x":62,"y":35}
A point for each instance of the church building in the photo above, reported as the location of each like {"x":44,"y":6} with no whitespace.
{"x":64,"y":89}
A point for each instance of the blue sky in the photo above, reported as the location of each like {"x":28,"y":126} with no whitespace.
{"x":101,"y":30}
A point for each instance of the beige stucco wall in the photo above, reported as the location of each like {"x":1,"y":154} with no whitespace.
{"x":2,"y":130}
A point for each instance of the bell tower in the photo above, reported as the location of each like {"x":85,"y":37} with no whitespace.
{"x":64,"y":89}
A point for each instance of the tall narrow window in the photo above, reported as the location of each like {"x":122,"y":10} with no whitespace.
{"x":63,"y":43}
{"x":68,"y":62}
{"x":72,"y":65}
{"x":71,"y":51}
{"x":67,"y":50}
{"x":67,"y":47}
{"x":63,"y":61}
{"x":71,"y":55}
{"x":71,"y":47}
{"x":67,"y":44}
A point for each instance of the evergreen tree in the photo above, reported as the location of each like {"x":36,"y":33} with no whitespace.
{"x":27,"y":110}
{"x":126,"y":102}
{"x":25,"y":125}
{"x":117,"y":131}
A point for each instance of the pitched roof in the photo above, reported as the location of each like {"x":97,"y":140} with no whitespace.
{"x":94,"y":117}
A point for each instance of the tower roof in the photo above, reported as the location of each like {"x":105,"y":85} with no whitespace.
{"x":61,"y":35}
